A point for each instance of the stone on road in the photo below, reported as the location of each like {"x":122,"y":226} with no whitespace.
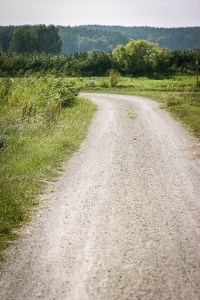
{"x":124,"y":219}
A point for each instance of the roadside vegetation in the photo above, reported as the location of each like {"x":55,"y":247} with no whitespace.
{"x":42,"y":122}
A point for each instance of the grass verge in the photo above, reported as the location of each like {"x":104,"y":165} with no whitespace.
{"x":31,"y":153}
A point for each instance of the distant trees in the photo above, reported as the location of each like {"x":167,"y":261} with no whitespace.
{"x":141,"y":57}
{"x":163,"y":60}
{"x":106,"y":38}
{"x":6,"y":33}
{"x":93,"y":37}
{"x":97,"y":62}
{"x":137,"y":58}
{"x":171,"y":38}
{"x":80,"y":39}
{"x":39,"y":39}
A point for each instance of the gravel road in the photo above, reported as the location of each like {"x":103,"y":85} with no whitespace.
{"x":124,"y":219}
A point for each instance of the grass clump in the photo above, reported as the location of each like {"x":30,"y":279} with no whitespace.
{"x":42,"y":122}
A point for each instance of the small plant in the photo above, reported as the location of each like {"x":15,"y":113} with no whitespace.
{"x":114,"y":77}
{"x":91,"y":83}
{"x":104,"y":82}
{"x":5,"y":85}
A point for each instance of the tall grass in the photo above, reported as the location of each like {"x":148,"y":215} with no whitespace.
{"x":42,"y":123}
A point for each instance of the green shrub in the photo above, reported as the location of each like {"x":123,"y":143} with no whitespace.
{"x":104,"y":82}
{"x":41,"y":97}
{"x":114,"y":77}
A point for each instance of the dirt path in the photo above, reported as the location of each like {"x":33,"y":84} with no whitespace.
{"x":124,"y":221}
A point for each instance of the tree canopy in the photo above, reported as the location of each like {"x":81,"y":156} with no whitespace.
{"x":94,"y":37}
{"x":41,"y":38}
{"x":106,"y":38}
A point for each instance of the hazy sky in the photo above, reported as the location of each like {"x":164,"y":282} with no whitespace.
{"x":156,"y":13}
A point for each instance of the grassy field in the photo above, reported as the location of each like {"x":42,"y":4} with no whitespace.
{"x":38,"y":131}
{"x":179,"y":94}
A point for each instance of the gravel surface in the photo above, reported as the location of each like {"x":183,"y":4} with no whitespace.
{"x":124,"y":219}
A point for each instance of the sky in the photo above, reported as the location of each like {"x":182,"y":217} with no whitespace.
{"x":154,"y":13}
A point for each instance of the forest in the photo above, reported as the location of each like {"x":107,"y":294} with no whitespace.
{"x":30,"y":39}
{"x":171,"y":38}
{"x":37,"y":50}
{"x":104,"y":38}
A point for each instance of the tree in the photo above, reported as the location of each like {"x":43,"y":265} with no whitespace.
{"x":22,"y":41}
{"x":47,"y":39}
{"x":136,"y":56}
{"x":163,"y":60}
{"x":41,"y":38}
{"x":98,"y":62}
{"x":120,"y":59}
{"x":6,"y":37}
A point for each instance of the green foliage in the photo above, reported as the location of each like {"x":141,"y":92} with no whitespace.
{"x":186,"y":106}
{"x":31,"y":39}
{"x":105,"y":38}
{"x":5,"y":85}
{"x":140,"y":57}
{"x":38,"y":97}
{"x":104,"y":82}
{"x":144,"y":58}
{"x":80,"y":39}
{"x":171,"y":38}
{"x":114,"y":77}
{"x":33,"y":145}
{"x":6,"y":33}
{"x":97,"y":63}
{"x":163,"y":58}
{"x":135,"y":58}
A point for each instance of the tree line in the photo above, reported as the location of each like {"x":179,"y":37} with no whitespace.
{"x":30,"y":39}
{"x":71,"y":40}
{"x":106,"y":38}
{"x":135,"y":58}
{"x":183,"y":38}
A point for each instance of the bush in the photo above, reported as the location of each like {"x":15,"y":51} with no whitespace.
{"x":114,"y":77}
{"x":104,"y":83}
{"x":40,"y":97}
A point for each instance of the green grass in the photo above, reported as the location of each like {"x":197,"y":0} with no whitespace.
{"x":31,"y":153}
{"x":179,"y":95}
